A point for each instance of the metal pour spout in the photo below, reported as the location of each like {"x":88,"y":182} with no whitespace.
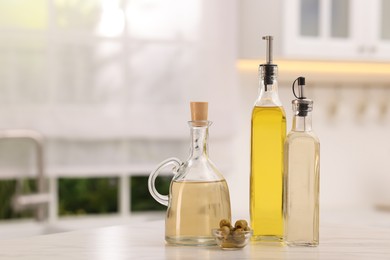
{"x":269,"y":48}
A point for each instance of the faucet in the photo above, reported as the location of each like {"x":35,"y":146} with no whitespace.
{"x":40,"y":200}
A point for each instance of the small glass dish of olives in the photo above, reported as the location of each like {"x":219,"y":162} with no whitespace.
{"x":231,"y":238}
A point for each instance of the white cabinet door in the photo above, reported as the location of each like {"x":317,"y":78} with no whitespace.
{"x":337,"y":29}
{"x":380,"y":44}
{"x":320,"y":28}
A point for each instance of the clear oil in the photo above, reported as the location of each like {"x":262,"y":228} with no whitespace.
{"x":266,"y":180}
{"x":302,"y":189}
{"x":195,"y":209}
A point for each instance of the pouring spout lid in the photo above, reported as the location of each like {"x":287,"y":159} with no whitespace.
{"x":301,"y":105}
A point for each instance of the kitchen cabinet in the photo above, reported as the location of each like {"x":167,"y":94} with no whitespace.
{"x":336,"y":29}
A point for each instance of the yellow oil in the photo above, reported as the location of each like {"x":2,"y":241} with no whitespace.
{"x":195,"y":209}
{"x":266,"y":180}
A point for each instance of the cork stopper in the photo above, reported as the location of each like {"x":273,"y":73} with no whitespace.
{"x":199,"y":112}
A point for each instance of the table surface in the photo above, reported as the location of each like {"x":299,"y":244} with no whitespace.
{"x":344,"y":234}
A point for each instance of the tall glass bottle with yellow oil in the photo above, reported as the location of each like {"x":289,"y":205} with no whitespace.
{"x":268,"y":133}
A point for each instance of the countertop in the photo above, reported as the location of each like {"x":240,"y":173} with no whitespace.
{"x":344,"y":234}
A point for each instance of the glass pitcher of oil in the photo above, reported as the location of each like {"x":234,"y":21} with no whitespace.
{"x":198,"y":196}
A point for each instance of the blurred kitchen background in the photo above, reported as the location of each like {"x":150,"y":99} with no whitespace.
{"x":95,"y":93}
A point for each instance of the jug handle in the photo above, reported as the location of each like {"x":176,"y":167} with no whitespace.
{"x":163,"y":199}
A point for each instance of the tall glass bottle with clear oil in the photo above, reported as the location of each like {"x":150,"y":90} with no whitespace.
{"x":302,"y":173}
{"x":268,"y":133}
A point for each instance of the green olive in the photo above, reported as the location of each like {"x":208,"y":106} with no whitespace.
{"x":224,"y":223}
{"x":225,"y":230}
{"x":238,"y":235}
{"x":241,"y":224}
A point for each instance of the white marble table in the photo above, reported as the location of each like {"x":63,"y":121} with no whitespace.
{"x":344,"y":235}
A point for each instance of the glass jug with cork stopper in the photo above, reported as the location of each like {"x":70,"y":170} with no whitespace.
{"x":198,"y":195}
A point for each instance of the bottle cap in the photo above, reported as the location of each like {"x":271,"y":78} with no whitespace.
{"x":302,"y":105}
{"x":199,"y":112}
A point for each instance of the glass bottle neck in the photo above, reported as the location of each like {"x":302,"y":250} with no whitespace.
{"x":302,"y":123}
{"x":199,"y":137}
{"x":268,"y":94}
